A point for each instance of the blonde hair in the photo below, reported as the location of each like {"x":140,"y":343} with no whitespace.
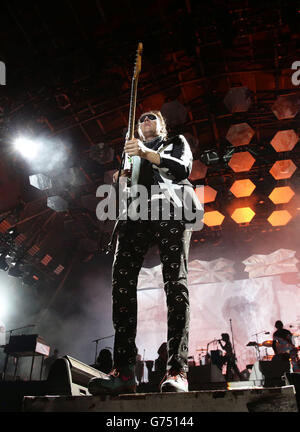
{"x":163,"y":130}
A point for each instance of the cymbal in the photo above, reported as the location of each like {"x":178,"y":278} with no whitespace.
{"x":251,"y":343}
{"x":267,"y":343}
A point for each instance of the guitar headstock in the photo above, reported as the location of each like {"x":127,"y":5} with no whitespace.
{"x":138,"y":60}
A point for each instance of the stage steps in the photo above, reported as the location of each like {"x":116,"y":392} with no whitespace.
{"x":275,"y":399}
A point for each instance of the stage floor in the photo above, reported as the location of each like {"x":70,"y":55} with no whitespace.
{"x":275,"y":399}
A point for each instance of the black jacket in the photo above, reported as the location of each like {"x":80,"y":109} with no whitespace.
{"x":172,"y":174}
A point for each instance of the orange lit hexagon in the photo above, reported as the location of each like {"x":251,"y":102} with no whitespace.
{"x":238,"y":99}
{"x":281,"y":195}
{"x":213,"y":218}
{"x":242,"y":161}
{"x":240,"y":134}
{"x":199,"y":171}
{"x":283,"y":169}
{"x":286,"y":106}
{"x":207,"y":195}
{"x":242,"y":188}
{"x":285,"y":140}
{"x":279,"y":217}
{"x":243,"y":215}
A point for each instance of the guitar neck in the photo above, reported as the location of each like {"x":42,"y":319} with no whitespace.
{"x":132,"y":108}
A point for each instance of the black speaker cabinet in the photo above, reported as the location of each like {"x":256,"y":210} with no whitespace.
{"x":269,"y":373}
{"x":201,"y":377}
{"x":293,"y":378}
{"x":68,"y":376}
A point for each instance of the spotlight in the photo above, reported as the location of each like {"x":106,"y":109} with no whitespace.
{"x":27,"y":147}
{"x":13,"y":233}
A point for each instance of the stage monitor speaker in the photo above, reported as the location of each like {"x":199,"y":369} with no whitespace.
{"x":269,"y":373}
{"x":293,"y":378}
{"x":68,"y":376}
{"x":201,"y":376}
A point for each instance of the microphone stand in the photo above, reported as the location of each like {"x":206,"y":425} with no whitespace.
{"x":214,"y":340}
{"x":143,"y":361}
{"x":97,"y":341}
{"x":233,"y":350}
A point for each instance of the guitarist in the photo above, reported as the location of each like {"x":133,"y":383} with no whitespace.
{"x":283,"y":346}
{"x":162,"y":161}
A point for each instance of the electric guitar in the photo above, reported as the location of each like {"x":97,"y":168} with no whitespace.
{"x":128,"y":163}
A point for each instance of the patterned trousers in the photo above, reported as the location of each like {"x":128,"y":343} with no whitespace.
{"x":134,"y":239}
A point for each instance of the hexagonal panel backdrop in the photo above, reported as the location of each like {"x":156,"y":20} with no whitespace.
{"x":283,"y":169}
{"x":285,"y":140}
{"x":213,"y":218}
{"x":240,"y":134}
{"x":242,"y":161}
{"x":243,"y":215}
{"x":286,"y":106}
{"x":279,"y":217}
{"x":208,"y":195}
{"x":242,"y":188}
{"x":199,"y":171}
{"x":281,"y":195}
{"x":238,"y":99}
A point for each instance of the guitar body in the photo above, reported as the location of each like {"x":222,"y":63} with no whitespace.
{"x":284,"y":346}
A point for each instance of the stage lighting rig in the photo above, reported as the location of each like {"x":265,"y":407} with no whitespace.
{"x":3,"y":263}
{"x":57,"y":203}
{"x":209,"y":157}
{"x":228,"y":154}
{"x":16,"y":270}
{"x":40,"y":181}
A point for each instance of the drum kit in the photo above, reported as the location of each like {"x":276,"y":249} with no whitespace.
{"x":281,"y":347}
{"x":202,"y":356}
{"x":206,"y":357}
{"x":266,"y":344}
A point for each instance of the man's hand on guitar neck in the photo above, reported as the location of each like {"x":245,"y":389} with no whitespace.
{"x":135,"y":147}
